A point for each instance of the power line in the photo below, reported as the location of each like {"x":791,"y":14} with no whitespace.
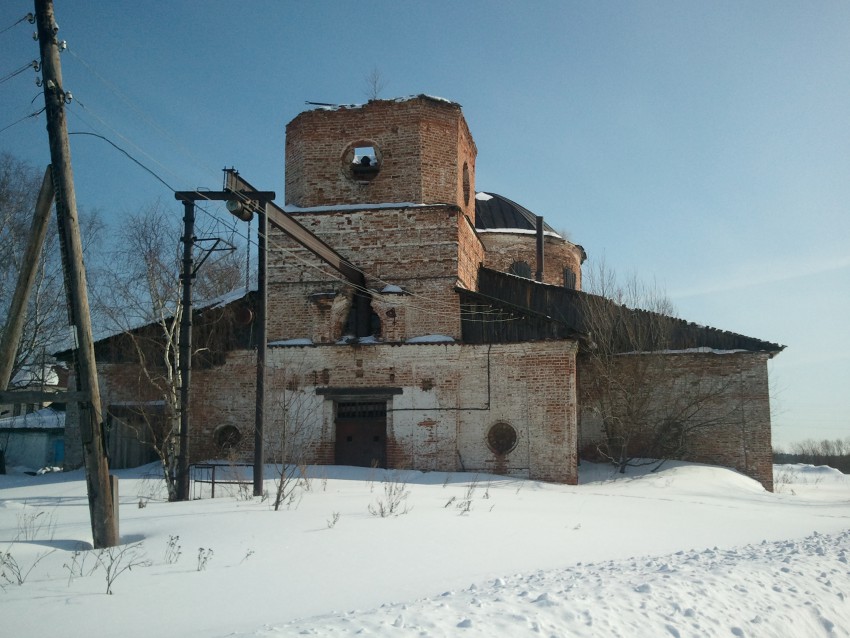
{"x":106,"y":125}
{"x":28,"y":17}
{"x":142,"y":114}
{"x":19,"y":70}
{"x":410,"y":300}
{"x":133,"y":159}
{"x":25,"y":117}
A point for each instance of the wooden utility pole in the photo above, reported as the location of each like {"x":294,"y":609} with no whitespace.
{"x":26,"y":278}
{"x":101,"y":492}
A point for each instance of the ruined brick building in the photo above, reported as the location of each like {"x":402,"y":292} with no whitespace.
{"x":477,"y":355}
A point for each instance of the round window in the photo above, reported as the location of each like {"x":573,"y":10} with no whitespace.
{"x":502,"y":438}
{"x":362,"y":161}
{"x":227,"y":437}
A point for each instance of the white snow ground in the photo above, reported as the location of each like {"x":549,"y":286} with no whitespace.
{"x":689,"y":550}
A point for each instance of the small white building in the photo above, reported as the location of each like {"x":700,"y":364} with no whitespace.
{"x":34,"y":440}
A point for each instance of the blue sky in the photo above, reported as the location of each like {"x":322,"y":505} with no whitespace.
{"x":704,"y":146}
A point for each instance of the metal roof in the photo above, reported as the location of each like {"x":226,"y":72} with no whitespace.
{"x":494,"y":211}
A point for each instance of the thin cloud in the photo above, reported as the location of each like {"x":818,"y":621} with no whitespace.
{"x":764,"y":275}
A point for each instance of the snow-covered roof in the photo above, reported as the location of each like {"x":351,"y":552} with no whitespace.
{"x":697,"y":350}
{"x":33,"y":375}
{"x":496,"y":211}
{"x":518,"y":231}
{"x":405,"y":98}
{"x":44,"y":419}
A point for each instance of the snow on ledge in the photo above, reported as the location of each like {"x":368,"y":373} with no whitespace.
{"x":483,"y":197}
{"x":290,"y":208}
{"x":431,"y":339}
{"x":291,"y":342}
{"x":351,"y":340}
{"x":392,"y":289}
{"x":517,"y":231}
{"x":699,"y":350}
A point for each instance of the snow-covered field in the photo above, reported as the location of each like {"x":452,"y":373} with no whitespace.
{"x":687,"y":551}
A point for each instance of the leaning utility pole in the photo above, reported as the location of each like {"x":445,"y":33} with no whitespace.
{"x":102,"y":496}
{"x":26,"y":278}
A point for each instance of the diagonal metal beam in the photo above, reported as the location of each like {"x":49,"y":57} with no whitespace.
{"x":276,"y":215}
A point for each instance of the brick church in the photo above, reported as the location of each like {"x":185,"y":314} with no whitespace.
{"x":472,"y":353}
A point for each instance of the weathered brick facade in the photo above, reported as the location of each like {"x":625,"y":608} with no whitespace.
{"x":390,"y":185}
{"x":415,"y":248}
{"x":423,"y":146}
{"x":502,"y":249}
{"x":448,"y":396}
{"x":724,"y":394}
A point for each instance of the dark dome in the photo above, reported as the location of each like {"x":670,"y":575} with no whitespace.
{"x":494,"y":211}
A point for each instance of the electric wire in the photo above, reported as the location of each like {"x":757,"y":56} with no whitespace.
{"x":25,"y":117}
{"x":29,"y":17}
{"x":133,"y":159}
{"x":428,"y":301}
{"x":105,"y":124}
{"x":18,"y":71}
{"x":410,"y":300}
{"x":144,"y":116}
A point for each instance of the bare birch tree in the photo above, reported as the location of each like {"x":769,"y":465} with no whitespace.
{"x":140,"y":296}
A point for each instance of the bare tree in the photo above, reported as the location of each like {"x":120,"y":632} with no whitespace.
{"x":647,"y":403}
{"x":375,"y":84}
{"x":832,"y":452}
{"x":287,"y":434}
{"x":139,"y":296}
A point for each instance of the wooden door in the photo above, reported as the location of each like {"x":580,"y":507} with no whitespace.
{"x":361,"y":434}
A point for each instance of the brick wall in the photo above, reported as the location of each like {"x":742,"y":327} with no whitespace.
{"x":470,"y":253}
{"x":423,"y":144}
{"x":503,"y":249}
{"x":423,"y":250}
{"x":734,"y":406}
{"x":452,"y":394}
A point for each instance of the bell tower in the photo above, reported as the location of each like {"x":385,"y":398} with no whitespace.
{"x":408,"y":150}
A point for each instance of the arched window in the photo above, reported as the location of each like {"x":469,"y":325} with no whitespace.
{"x":520,"y":269}
{"x":227,"y":438}
{"x":466,"y":184}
